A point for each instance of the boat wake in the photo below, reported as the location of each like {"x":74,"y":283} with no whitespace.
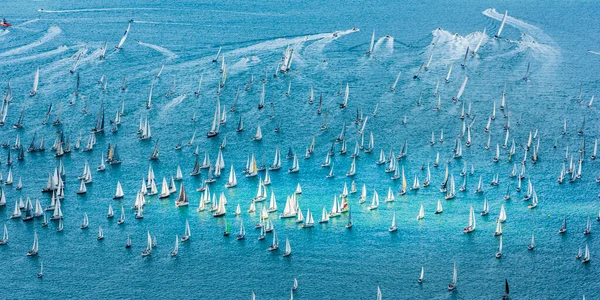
{"x":164,"y":51}
{"x":67,"y":11}
{"x":176,"y":101}
{"x":449,"y":47}
{"x":521,"y":25}
{"x":389,"y":45}
{"x":243,"y":64}
{"x":50,"y":53}
{"x":52,"y":32}
{"x":594,"y":52}
{"x":284,"y":42}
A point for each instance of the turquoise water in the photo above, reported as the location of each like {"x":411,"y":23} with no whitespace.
{"x":328,"y":260}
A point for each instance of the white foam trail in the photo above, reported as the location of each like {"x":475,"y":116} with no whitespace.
{"x":594,"y":52}
{"x":450,"y":47}
{"x":378,"y":44}
{"x":176,"y":101}
{"x":166,"y":52}
{"x":164,"y":23}
{"x":56,"y":51}
{"x":3,"y":32}
{"x":390,"y":45}
{"x":243,"y":64}
{"x":52,"y":32}
{"x":66,"y":11}
{"x":319,"y":45}
{"x":26,"y":23}
{"x":521,"y":25}
{"x":283,"y":42}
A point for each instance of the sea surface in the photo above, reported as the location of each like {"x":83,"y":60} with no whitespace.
{"x":329,"y":261}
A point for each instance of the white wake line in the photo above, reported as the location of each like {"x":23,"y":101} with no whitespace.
{"x":283,"y":42}
{"x":166,"y":52}
{"x":97,"y":10}
{"x":521,"y":25}
{"x":56,"y":51}
{"x":594,"y":52}
{"x":52,"y":32}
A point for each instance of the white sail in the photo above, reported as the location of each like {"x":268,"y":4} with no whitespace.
{"x":122,"y":41}
{"x":502,"y":24}
{"x":36,"y":80}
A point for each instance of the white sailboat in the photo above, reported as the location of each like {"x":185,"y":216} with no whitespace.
{"x":122,"y":41}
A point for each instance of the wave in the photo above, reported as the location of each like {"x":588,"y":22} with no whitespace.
{"x":52,"y":32}
{"x":166,"y":52}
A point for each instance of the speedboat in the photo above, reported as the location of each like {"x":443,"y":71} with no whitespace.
{"x":3,"y":23}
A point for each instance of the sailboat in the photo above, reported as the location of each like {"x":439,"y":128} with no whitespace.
{"x":41,"y":273}
{"x":452,"y":286}
{"x":286,"y":253}
{"x":421,"y":213}
{"x":295,"y":167}
{"x":588,"y":227}
{"x":393,"y":227}
{"x":346,"y":96}
{"x":242,"y":234}
{"x":532,"y":245}
{"x":4,"y":239}
{"x":471,"y":227}
{"x":122,"y":41}
{"x":374,"y":201}
{"x":214,"y":130}
{"x":186,"y":236}
{"x":499,"y":253}
{"x":175,"y":250}
{"x":275,"y":244}
{"x":372,"y":44}
{"x":232,"y":181}
{"x":308,"y":221}
{"x":420,"y":280}
{"x":586,"y":255}
{"x":148,"y":250}
{"x":35,"y":248}
{"x":100,"y":234}
{"x":36,"y":80}
{"x":85,"y":221}
{"x":501,"y":25}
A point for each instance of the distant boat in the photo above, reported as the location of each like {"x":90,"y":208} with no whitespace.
{"x":186,"y":236}
{"x":175,"y":250}
{"x":35,"y":248}
{"x":122,"y":41}
{"x":288,"y":252}
{"x":148,"y":250}
{"x":393,"y":227}
{"x":452,"y":286}
{"x":502,"y":25}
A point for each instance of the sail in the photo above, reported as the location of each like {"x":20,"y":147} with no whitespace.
{"x":122,"y":41}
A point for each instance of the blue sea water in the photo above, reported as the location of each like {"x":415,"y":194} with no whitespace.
{"x":329,"y":261}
